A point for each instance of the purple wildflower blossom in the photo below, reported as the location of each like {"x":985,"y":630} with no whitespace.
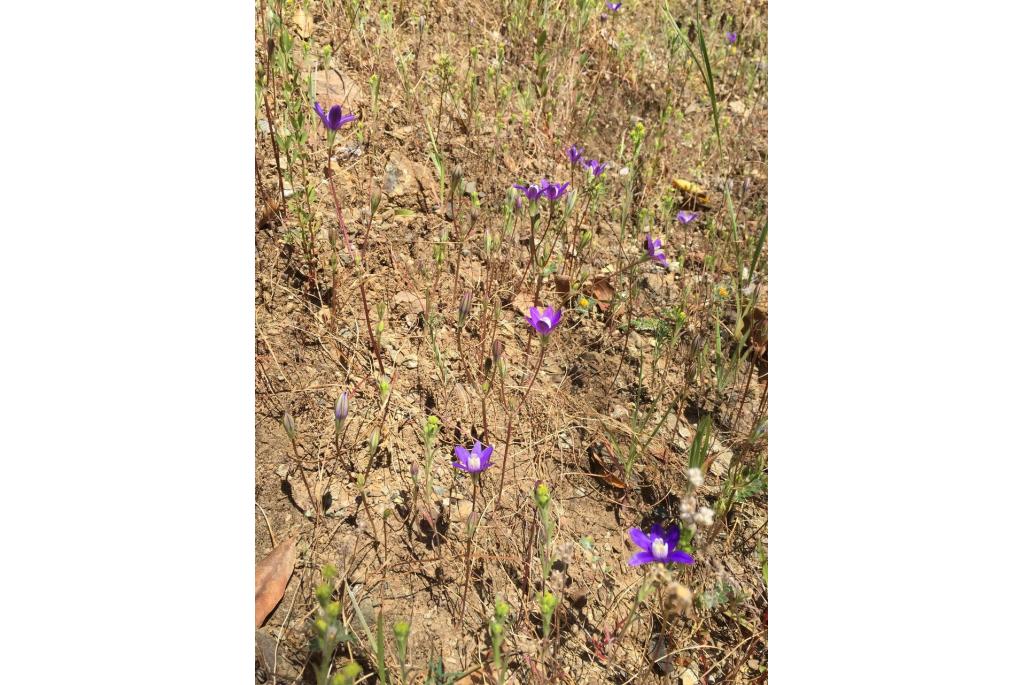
{"x":475,"y":460}
{"x":333,"y":120}
{"x":595,"y":167}
{"x":575,"y":154}
{"x":659,"y":547}
{"x":613,"y":6}
{"x":545,"y":188}
{"x":553,"y":191}
{"x":730,"y":38}
{"x":686,"y":217}
{"x":532,"y":192}
{"x":546,"y":322}
{"x":654,"y":250}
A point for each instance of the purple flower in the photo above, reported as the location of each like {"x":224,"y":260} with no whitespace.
{"x":475,"y":460}
{"x":553,"y":190}
{"x":654,"y":250}
{"x":595,"y":167}
{"x":730,"y":38}
{"x":613,"y":6}
{"x":545,"y":188}
{"x":686,"y":217}
{"x":546,"y":322}
{"x":660,"y":547}
{"x":341,"y":408}
{"x":532,"y":192}
{"x":575,"y":153}
{"x":333,"y":119}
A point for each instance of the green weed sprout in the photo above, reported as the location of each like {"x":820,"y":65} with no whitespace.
{"x":328,"y":632}
{"x":497,"y":630}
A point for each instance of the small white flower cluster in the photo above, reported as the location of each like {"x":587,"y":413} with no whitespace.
{"x":695,"y":476}
{"x":693,"y":517}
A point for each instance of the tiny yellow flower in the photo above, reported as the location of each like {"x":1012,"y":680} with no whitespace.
{"x":584,"y":302}
{"x":723,"y":291}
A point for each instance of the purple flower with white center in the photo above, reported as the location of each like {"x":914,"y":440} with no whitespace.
{"x":654,"y":250}
{"x":659,"y":547}
{"x":575,"y":154}
{"x":686,"y":217}
{"x":473,"y":461}
{"x":613,"y":6}
{"x":546,"y":322}
{"x":334,"y":119}
{"x":595,"y":167}
{"x":553,"y":191}
{"x":730,"y":38}
{"x":532,"y":192}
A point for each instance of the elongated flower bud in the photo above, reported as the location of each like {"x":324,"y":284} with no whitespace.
{"x":464,"y":307}
{"x":289,"y":425}
{"x":340,"y":412}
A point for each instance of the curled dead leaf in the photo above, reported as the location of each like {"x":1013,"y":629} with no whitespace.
{"x":605,"y":466}
{"x":603,"y":292}
{"x":272,"y":574}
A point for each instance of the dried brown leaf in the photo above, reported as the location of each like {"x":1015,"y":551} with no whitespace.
{"x":603,"y":292}
{"x":272,"y":574}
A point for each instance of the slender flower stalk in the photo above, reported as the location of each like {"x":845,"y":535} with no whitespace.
{"x":474,"y":462}
{"x":543,"y":324}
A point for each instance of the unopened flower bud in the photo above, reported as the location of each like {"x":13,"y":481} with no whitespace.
{"x":465,"y":304}
{"x":414,"y":470}
{"x":474,"y":214}
{"x":542,"y":495}
{"x":497,"y":347}
{"x":402,"y":629}
{"x":430,"y":428}
{"x":340,"y":411}
{"x":289,"y":425}
{"x":501,"y":609}
{"x":548,"y":602}
{"x":374,"y":200}
{"x":374,"y":442}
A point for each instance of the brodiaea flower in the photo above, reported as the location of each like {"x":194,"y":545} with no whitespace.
{"x":654,"y":250}
{"x":532,"y":192}
{"x":546,"y":322}
{"x":686,"y":217}
{"x":334,"y":118}
{"x":659,"y":547}
{"x":553,"y":190}
{"x":575,"y":153}
{"x":595,"y":167}
{"x":730,"y":38}
{"x":613,"y":6}
{"x":475,"y":460}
